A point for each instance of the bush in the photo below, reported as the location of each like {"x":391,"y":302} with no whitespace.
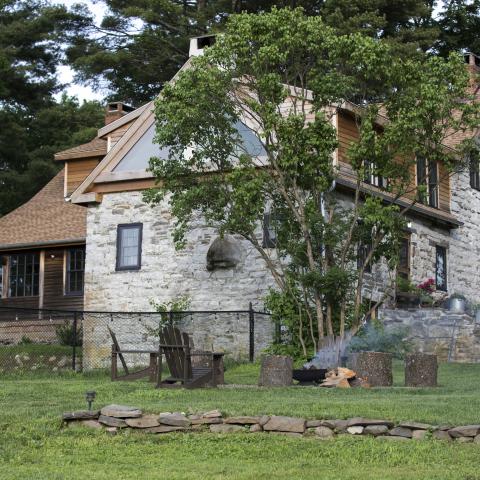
{"x":65,"y":335}
{"x":25,"y":340}
{"x":373,"y":338}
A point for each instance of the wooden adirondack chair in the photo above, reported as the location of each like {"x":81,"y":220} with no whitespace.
{"x":176,"y":346}
{"x":118,"y":353}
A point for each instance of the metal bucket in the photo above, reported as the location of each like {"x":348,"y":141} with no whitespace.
{"x":457,"y":305}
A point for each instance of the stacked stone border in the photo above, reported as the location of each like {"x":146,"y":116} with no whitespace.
{"x":114,"y":418}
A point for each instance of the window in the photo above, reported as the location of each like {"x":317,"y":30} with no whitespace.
{"x":269,"y":231}
{"x":427,"y":175}
{"x":75,"y":271}
{"x":403,"y":269}
{"x":363,"y":251}
{"x":441,"y":268}
{"x":371,"y":175}
{"x":474,"y":169}
{"x":129,"y":246}
{"x":24,"y":273}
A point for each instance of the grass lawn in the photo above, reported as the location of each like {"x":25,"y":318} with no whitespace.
{"x":33,"y":446}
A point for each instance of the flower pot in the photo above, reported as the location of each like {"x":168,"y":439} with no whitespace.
{"x":458,"y":305}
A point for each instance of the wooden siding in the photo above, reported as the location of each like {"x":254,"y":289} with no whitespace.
{"x":77,"y":171}
{"x":348,"y":134}
{"x":53,"y":285}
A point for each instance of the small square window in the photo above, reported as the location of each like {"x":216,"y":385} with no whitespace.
{"x":129,"y":246}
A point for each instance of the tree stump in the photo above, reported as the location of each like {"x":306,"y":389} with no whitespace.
{"x":420,"y":370}
{"x":374,"y":367}
{"x":276,"y":371}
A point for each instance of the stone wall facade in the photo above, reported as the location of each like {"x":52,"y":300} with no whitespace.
{"x":167,"y":274}
{"x":452,"y":337}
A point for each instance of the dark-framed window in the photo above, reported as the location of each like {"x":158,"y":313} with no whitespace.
{"x":129,"y":246}
{"x":23,"y":275}
{"x":441,"y":268}
{"x":269,"y":230}
{"x":403,"y":269}
{"x":363,"y":250}
{"x":75,"y":271}
{"x":427,"y":175}
{"x":371,"y":175}
{"x":474,"y":161}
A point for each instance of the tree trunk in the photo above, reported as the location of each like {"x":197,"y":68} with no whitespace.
{"x":276,"y":371}
{"x":374,"y":367}
{"x":420,"y":370}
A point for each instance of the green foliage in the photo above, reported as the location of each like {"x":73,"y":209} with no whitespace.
{"x":170,"y":313}
{"x":33,"y":35}
{"x":66,"y":335}
{"x":374,"y":338}
{"x":244,"y":78}
{"x":25,"y":340}
{"x":406,"y":286}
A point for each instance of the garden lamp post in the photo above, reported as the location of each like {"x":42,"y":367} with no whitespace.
{"x":90,"y":397}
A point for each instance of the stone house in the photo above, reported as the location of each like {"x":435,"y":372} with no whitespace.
{"x":130,"y":258}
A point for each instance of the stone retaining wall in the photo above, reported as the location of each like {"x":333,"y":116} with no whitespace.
{"x":450,"y":336}
{"x":115,"y":417}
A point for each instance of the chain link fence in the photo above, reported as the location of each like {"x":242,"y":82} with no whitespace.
{"x":55,"y":340}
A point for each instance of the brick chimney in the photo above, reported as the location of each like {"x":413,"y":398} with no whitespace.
{"x":197,"y":44}
{"x":473,"y":65}
{"x":116,"y":110}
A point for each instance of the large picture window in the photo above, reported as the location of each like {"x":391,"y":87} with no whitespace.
{"x":129,"y":246}
{"x":441,"y":268}
{"x":24,"y":274}
{"x":427,"y":175}
{"x":75,"y":271}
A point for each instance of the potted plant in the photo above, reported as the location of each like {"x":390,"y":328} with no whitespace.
{"x":407,"y":294}
{"x":426,"y":290}
{"x":457,"y":303}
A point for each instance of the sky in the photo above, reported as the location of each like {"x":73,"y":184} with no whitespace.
{"x":65,"y":73}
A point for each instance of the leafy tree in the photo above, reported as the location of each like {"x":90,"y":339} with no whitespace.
{"x":29,"y":142}
{"x":460,"y":27}
{"x":34,"y":125}
{"x":408,"y":24}
{"x":245,"y":78}
{"x":141,"y":44}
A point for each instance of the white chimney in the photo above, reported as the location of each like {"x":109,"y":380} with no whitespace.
{"x":198,"y":44}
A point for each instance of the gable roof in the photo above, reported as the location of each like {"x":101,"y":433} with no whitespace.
{"x":105,"y":168}
{"x":95,"y":148}
{"x":46,"y":219}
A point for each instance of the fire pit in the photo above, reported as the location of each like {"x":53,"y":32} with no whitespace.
{"x":308,"y":376}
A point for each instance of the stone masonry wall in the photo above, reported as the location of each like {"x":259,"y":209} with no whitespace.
{"x":453,"y":337}
{"x":165,"y":275}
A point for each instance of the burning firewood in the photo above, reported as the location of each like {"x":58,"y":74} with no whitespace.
{"x":343,"y":378}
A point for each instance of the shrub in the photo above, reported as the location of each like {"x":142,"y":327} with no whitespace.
{"x":25,"y":340}
{"x":65,"y":335}
{"x":373,"y":338}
